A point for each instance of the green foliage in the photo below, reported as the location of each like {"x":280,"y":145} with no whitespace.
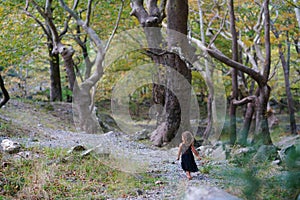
{"x":10,"y":129}
{"x":206,"y":169}
{"x":258,"y":180}
{"x":55,"y":174}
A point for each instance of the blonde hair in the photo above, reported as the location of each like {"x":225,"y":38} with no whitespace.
{"x":187,"y":137}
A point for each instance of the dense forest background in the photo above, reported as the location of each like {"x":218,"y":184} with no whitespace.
{"x":31,"y":70}
{"x":225,"y":70}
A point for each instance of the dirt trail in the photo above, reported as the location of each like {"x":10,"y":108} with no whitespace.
{"x":49,"y":125}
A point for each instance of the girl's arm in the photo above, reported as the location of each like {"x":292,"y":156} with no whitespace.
{"x":195,"y":151}
{"x":179,"y":151}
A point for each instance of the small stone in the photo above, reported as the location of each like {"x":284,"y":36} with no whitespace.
{"x":275,"y":162}
{"x":158,"y":183}
{"x":139,"y":192}
{"x":10,"y":146}
{"x":77,"y":148}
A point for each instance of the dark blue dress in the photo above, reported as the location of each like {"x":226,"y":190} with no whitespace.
{"x":188,"y":161}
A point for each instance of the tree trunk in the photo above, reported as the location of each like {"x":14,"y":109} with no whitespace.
{"x":234,"y":74}
{"x":209,"y":82}
{"x":246,"y":124}
{"x":175,"y":97}
{"x":55,"y":83}
{"x":84,"y":114}
{"x":262,"y":132}
{"x":297,"y":11}
{"x":177,"y":100}
{"x":67,"y":54}
{"x":5,"y":93}
{"x":290,"y":102}
{"x":151,"y":22}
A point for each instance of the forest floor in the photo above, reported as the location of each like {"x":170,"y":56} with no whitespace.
{"x":51,"y":125}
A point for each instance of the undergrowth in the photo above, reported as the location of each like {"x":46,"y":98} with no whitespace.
{"x":251,"y":180}
{"x":52,"y":174}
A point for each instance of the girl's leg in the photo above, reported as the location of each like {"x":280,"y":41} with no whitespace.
{"x":188,"y":174}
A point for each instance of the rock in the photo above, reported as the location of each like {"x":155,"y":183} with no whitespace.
{"x":158,"y":134}
{"x":10,"y":146}
{"x":291,"y":156}
{"x":142,"y":135}
{"x":219,"y":154}
{"x":24,"y":155}
{"x":208,"y":193}
{"x":289,"y":152}
{"x":276,"y":162}
{"x":265,"y":152}
{"x":238,"y":153}
{"x":139,"y":192}
{"x":77,"y":148}
{"x":107,"y":123}
{"x":158,"y":183}
{"x":288,"y":141}
{"x":243,"y":150}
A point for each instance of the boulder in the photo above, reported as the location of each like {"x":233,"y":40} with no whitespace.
{"x":10,"y":146}
{"x":289,"y":152}
{"x":219,"y":154}
{"x":208,"y":193}
{"x":107,"y":122}
{"x":265,"y":152}
{"x":142,"y":135}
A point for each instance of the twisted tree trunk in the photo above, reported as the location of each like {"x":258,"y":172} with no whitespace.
{"x":5,"y":93}
{"x":174,"y":96}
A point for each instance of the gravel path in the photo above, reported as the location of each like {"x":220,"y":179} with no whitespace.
{"x":125,"y":153}
{"x":133,"y":157}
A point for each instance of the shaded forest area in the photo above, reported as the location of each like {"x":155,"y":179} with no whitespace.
{"x":227,"y":71}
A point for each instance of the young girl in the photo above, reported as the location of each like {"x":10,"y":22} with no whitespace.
{"x":186,"y":150}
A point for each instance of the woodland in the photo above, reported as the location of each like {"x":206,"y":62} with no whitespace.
{"x":228,"y":71}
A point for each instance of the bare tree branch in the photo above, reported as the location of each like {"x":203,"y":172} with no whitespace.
{"x":5,"y":93}
{"x":267,"y":63}
{"x":219,"y":31}
{"x":244,"y":100}
{"x":37,"y":21}
{"x":116,"y":26}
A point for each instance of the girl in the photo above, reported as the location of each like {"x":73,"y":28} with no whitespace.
{"x":186,"y":150}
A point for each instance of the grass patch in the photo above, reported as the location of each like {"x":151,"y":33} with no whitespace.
{"x":10,"y":129}
{"x":52,"y":174}
{"x":260,"y":181}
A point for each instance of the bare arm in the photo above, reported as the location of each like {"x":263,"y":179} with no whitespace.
{"x":195,"y":152}
{"x":179,"y":151}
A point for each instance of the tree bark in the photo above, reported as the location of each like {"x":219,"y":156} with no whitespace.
{"x":151,"y":22}
{"x":177,"y":17}
{"x":246,"y":124}
{"x":290,"y":102}
{"x":5,"y":93}
{"x":262,"y":133}
{"x":173,"y":94}
{"x":234,"y":74}
{"x":208,"y":78}
{"x":67,"y":54}
{"x":297,"y":12}
{"x":55,"y":83}
{"x":250,"y":101}
{"x":83,"y":95}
